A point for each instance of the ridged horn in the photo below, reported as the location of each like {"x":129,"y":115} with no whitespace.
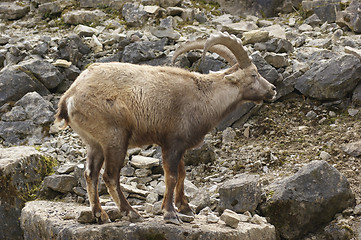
{"x":233,"y":43}
{"x":199,"y":43}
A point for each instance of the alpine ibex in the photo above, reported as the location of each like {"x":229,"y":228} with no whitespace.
{"x":113,"y":106}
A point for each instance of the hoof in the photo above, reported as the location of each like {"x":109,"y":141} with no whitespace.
{"x":172,"y":218}
{"x":102,"y":217}
{"x":135,"y":217}
{"x":186,"y":211}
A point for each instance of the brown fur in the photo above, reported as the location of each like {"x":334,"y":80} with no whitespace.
{"x":113,"y":106}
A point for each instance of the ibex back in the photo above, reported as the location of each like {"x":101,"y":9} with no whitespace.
{"x":113,"y":106}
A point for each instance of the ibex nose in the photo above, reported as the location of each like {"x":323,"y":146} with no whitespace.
{"x":273,"y":87}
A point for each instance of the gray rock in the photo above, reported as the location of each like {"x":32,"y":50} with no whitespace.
{"x":320,"y":43}
{"x":170,"y":3}
{"x":86,"y":215}
{"x":230,"y":218}
{"x":73,"y":49}
{"x":264,"y":68}
{"x":152,"y":197}
{"x":200,"y":201}
{"x":134,"y":14}
{"x":209,"y":64}
{"x":53,"y":8}
{"x":13,"y":133}
{"x":188,"y":15}
{"x":305,"y":27}
{"x":261,"y":8}
{"x":160,"y":188}
{"x":14,"y":55}
{"x":325,"y":10}
{"x":41,"y":49}
{"x":338,"y":231}
{"x":143,"y":51}
{"x":236,"y":116}
{"x":212,"y":218}
{"x":255,"y":36}
{"x":313,"y":20}
{"x":130,"y":189}
{"x":15,"y":84}
{"x":61,"y":183}
{"x":85,"y":31}
{"x":22,"y":170}
{"x":45,"y":220}
{"x":241,"y":27}
{"x":127,"y":171}
{"x":138,"y":161}
{"x":141,"y":173}
{"x":94,"y":3}
{"x":353,"y":149}
{"x":43,"y":71}
{"x":66,"y":168}
{"x":301,"y":203}
{"x":228,"y":135}
{"x":240,"y":194}
{"x":311,"y":114}
{"x":24,"y":123}
{"x":350,"y":17}
{"x":277,"y":60}
{"x":76,"y":17}
{"x":12,"y":10}
{"x":333,"y":79}
{"x":202,"y":154}
{"x":161,"y":32}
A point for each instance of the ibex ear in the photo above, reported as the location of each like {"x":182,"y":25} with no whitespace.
{"x":231,"y":77}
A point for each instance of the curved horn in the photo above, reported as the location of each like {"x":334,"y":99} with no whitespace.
{"x":199,"y":43}
{"x":233,"y":43}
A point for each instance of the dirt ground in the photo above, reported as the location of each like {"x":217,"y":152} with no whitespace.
{"x":283,"y":136}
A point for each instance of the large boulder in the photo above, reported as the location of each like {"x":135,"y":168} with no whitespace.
{"x":325,"y":9}
{"x":304,"y":202}
{"x":27,"y":121}
{"x":15,"y":83}
{"x":44,"y":71}
{"x":350,"y":17}
{"x":22,"y":169}
{"x":13,"y":10}
{"x":240,"y":194}
{"x":330,"y":80}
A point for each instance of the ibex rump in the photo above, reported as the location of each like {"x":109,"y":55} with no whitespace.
{"x":113,"y":106}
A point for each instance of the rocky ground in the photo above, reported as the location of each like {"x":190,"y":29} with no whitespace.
{"x":315,"y":66}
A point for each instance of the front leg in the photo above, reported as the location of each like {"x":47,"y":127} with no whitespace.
{"x":180,"y":199}
{"x":171,"y":159}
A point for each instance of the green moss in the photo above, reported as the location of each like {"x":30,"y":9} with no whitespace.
{"x":10,"y":191}
{"x":209,"y":6}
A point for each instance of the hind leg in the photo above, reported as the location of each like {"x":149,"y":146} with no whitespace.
{"x":94,"y":163}
{"x":114,"y":161}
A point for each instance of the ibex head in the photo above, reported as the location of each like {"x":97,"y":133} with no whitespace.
{"x":252,"y":85}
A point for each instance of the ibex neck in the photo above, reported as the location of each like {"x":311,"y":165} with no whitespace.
{"x":224,"y":99}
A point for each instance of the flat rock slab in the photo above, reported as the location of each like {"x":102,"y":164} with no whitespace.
{"x":57,"y":220}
